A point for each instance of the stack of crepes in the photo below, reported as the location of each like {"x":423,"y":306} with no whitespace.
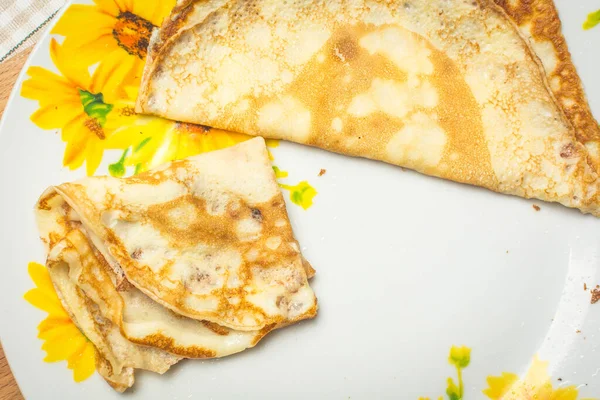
{"x":196,"y":259}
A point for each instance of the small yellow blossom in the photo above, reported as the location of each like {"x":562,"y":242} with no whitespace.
{"x":460,"y":357}
{"x":301,"y":194}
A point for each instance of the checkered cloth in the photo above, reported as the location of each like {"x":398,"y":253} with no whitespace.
{"x":22,"y":21}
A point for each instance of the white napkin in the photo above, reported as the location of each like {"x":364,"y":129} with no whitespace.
{"x":22,"y":22}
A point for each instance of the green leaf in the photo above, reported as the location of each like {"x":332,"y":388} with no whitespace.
{"x":593,"y":19}
{"x":453,"y":391}
{"x":94,"y":105}
{"x":460,"y":357}
{"x":118,"y":169}
{"x":142,"y":144}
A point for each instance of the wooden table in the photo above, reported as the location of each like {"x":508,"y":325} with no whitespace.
{"x":9,"y":70}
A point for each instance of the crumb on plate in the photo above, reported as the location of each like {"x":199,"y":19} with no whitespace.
{"x":595,"y":295}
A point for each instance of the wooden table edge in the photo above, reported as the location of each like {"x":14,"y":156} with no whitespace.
{"x":9,"y":72}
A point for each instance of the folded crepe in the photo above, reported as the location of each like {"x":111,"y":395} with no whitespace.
{"x":207,"y":237}
{"x":448,"y":88}
{"x":538,"y":21}
{"x":116,"y":357}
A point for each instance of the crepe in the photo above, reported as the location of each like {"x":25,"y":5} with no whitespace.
{"x":141,"y":320}
{"x":539,"y":22}
{"x":119,"y":357}
{"x":86,"y":261}
{"x":207,"y":237}
{"x":448,"y":88}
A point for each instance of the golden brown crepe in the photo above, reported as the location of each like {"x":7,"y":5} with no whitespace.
{"x":207,"y":237}
{"x":448,"y":88}
{"x":539,"y":22}
{"x":119,"y":356}
{"x":215,"y":220}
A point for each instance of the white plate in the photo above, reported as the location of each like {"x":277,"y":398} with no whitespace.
{"x":407,"y":267}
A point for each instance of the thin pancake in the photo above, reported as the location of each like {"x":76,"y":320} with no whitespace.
{"x":144,"y":321}
{"x":539,"y":22}
{"x":120,"y":355}
{"x":207,"y":237}
{"x":448,"y":88}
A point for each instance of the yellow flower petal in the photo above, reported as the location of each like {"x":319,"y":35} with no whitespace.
{"x":83,"y":363}
{"x":154,"y":11}
{"x":63,"y":59}
{"x":56,"y":116}
{"x":535,"y":385}
{"x":131,"y":92}
{"x":565,"y":393}
{"x":97,"y":24}
{"x":52,"y":323}
{"x":537,"y":375}
{"x":110,"y":7}
{"x":62,"y":339}
{"x":93,"y":157}
{"x":112,"y":74}
{"x":47,"y":87}
{"x":498,"y":386}
{"x":124,"y":5}
{"x":93,"y":41}
{"x":44,"y":301}
{"x":94,"y":51}
{"x":62,"y":347}
{"x":39,"y":275}
{"x":53,"y":332}
{"x":76,"y":136}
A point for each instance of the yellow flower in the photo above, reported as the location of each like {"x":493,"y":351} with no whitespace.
{"x":118,"y":28}
{"x":301,"y":194}
{"x":460,"y":357}
{"x":536,"y":385}
{"x":86,"y":108}
{"x":62,"y":339}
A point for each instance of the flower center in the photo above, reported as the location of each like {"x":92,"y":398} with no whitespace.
{"x":132,"y":33}
{"x":95,"y":107}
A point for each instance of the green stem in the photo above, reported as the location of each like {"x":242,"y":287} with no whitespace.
{"x":460,"y":382}
{"x":118,"y":169}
